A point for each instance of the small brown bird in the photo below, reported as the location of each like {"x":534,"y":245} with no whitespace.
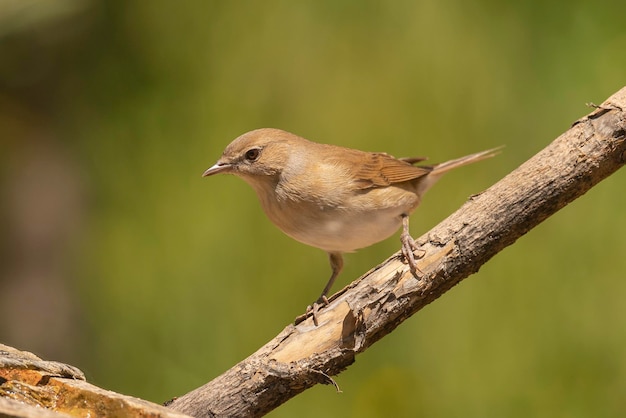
{"x":334,"y":198}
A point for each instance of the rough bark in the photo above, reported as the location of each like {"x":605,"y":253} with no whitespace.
{"x":31,"y":387}
{"x":303,"y":355}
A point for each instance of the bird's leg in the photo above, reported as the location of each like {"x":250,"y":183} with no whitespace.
{"x":409,"y":246}
{"x":336,"y":264}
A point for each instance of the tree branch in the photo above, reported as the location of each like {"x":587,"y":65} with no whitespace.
{"x":374,"y":305}
{"x":34,"y":388}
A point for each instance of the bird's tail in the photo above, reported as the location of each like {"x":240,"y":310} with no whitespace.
{"x":442,"y":168}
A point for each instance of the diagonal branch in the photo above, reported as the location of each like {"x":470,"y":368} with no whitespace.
{"x":374,"y":305}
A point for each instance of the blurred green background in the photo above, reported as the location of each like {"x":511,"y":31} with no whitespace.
{"x":117,"y":257}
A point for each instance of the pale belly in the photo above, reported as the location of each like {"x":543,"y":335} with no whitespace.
{"x":358,"y":221}
{"x":340,"y":231}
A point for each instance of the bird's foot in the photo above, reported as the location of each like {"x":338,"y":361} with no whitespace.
{"x":312,"y":310}
{"x":409,"y":250}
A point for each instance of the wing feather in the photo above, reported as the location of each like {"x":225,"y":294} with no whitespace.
{"x":380,"y":169}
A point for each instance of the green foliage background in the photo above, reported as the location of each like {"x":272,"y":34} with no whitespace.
{"x":172,"y":278}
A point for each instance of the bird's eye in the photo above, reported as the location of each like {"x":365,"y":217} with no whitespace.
{"x":253,"y":154}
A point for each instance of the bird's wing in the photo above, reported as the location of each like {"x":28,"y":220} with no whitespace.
{"x":380,"y":169}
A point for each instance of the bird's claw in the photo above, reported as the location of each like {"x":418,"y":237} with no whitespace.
{"x":312,"y":310}
{"x":409,"y":248}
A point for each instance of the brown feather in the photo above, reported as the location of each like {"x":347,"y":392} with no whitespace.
{"x":413,"y":160}
{"x":380,"y":169}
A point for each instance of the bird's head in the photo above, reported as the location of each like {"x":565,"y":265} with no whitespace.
{"x":255,"y":155}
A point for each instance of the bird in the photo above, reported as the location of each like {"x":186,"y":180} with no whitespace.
{"x":330,"y":197}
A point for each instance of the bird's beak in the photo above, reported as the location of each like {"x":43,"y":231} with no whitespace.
{"x":216,"y":169}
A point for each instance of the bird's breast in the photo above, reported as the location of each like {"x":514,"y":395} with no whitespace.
{"x":339,"y":221}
